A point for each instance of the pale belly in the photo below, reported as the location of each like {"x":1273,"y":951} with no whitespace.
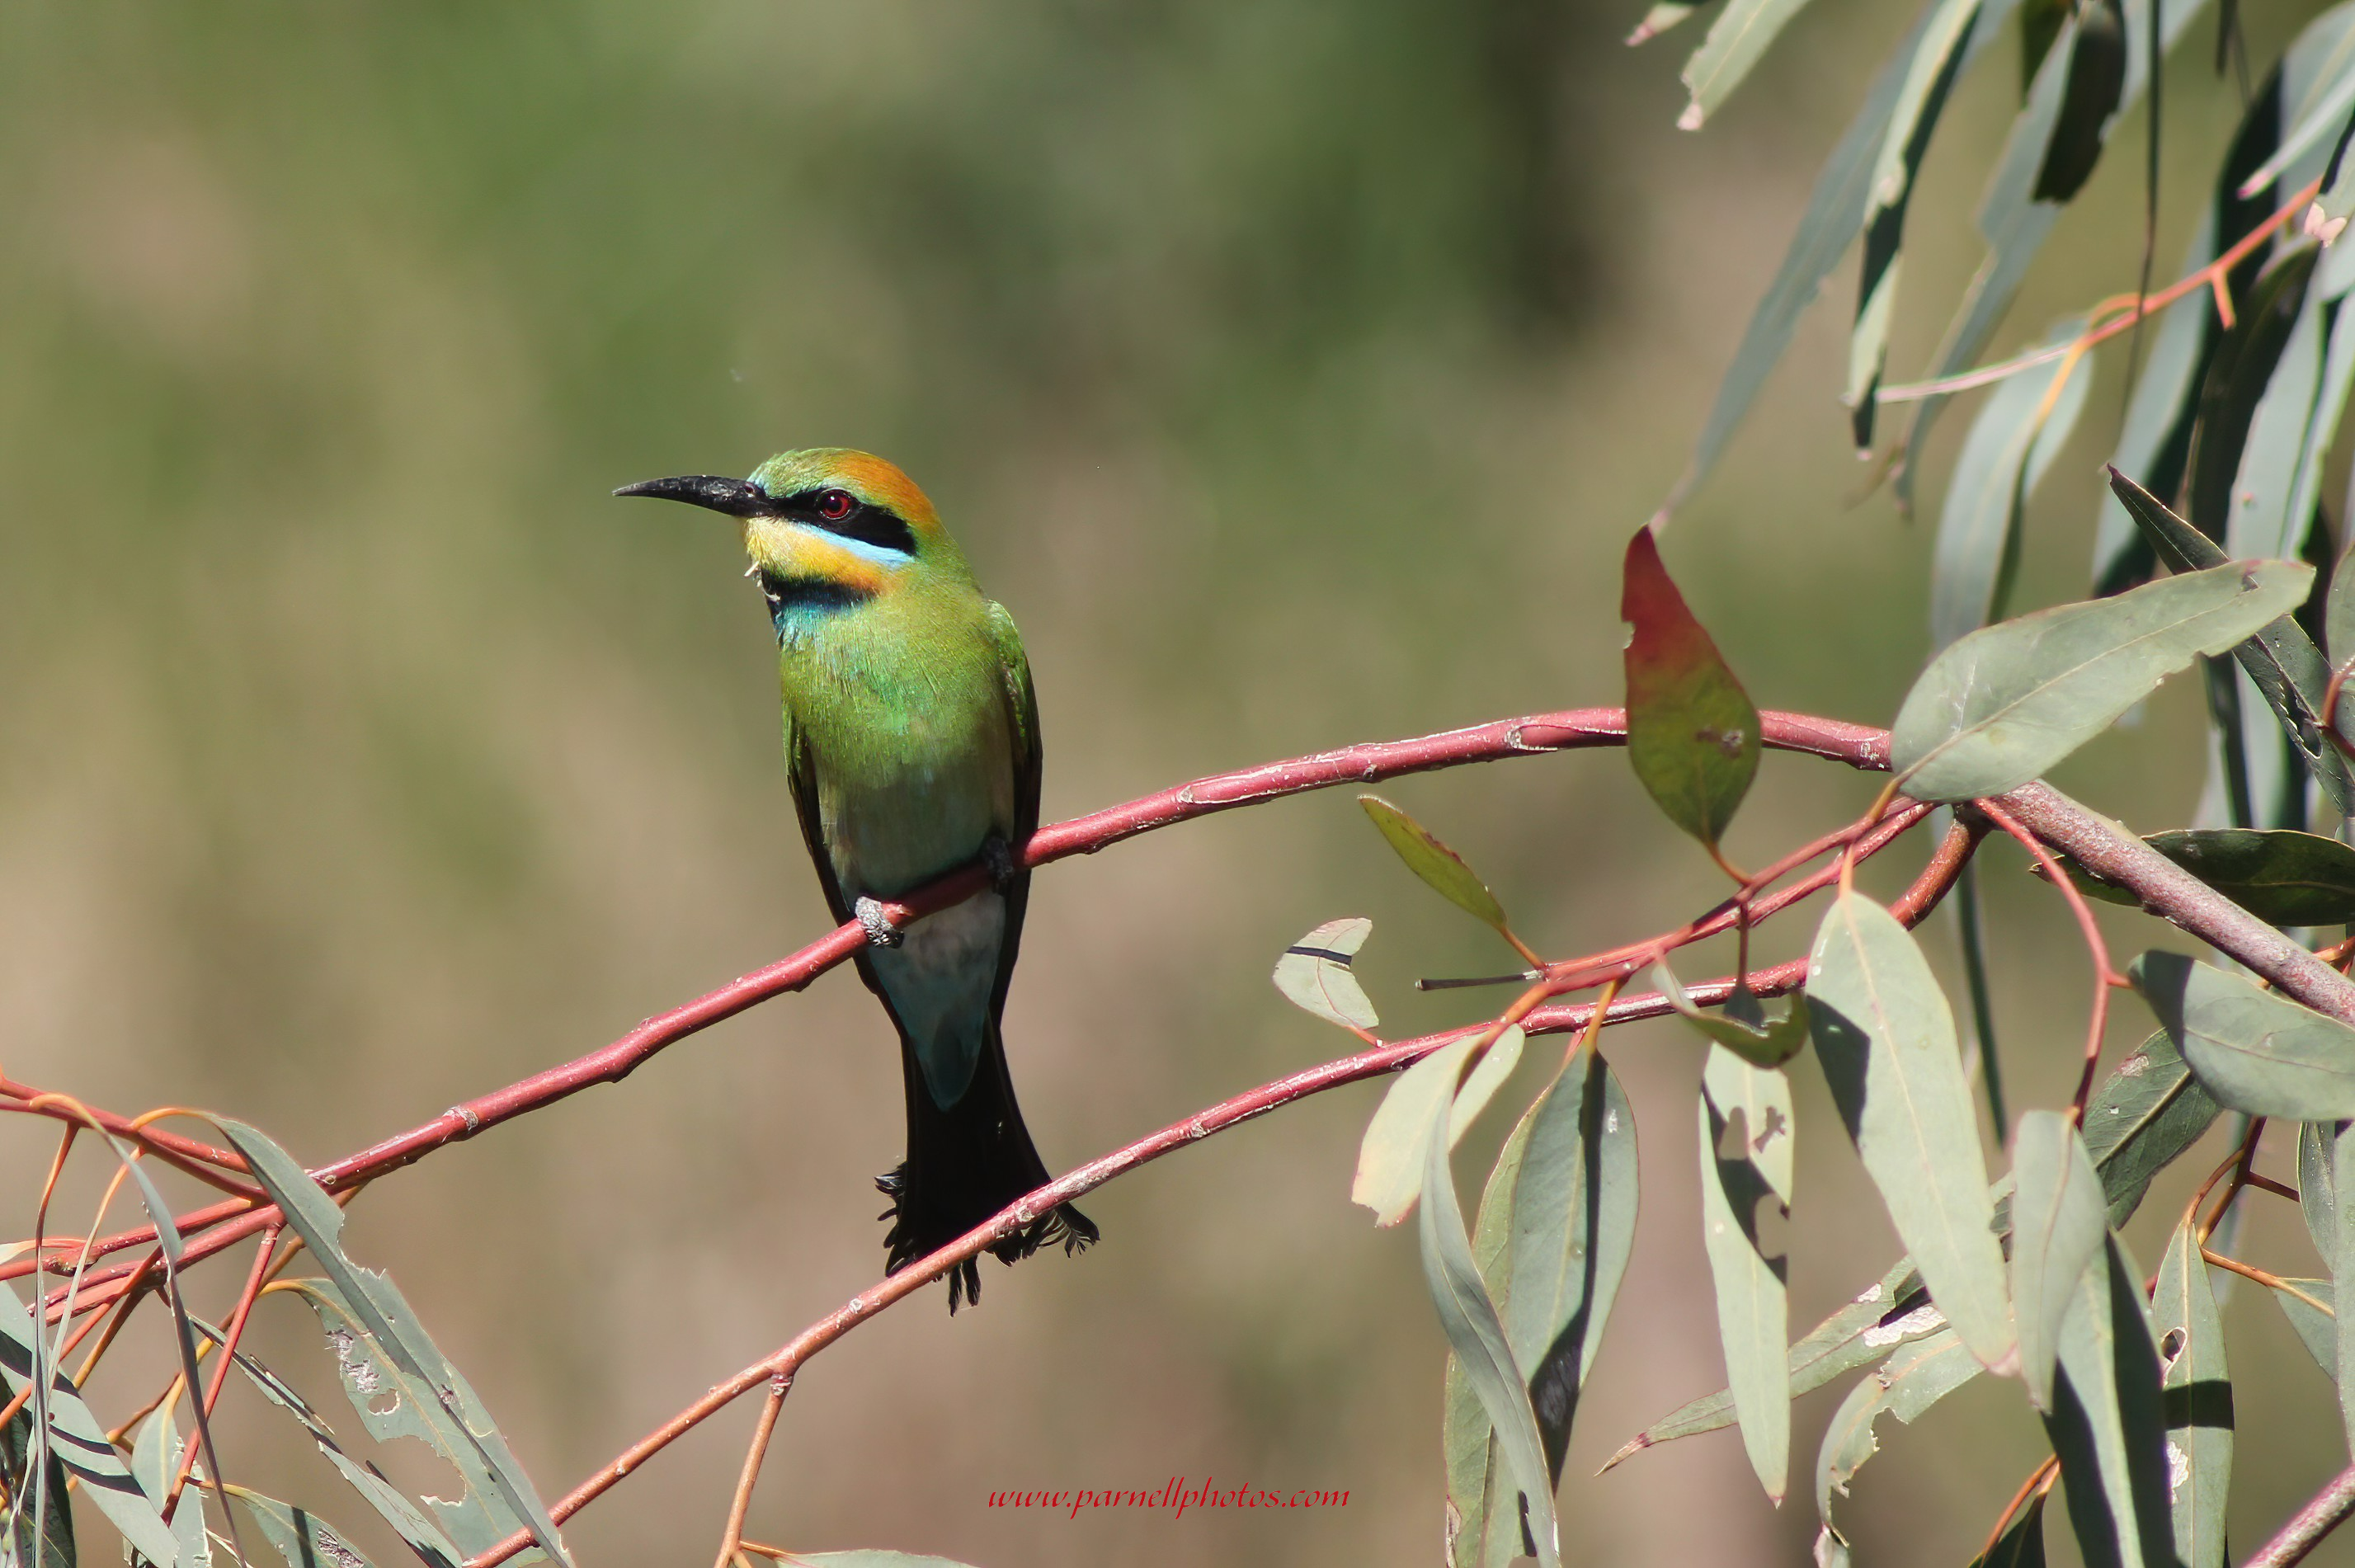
{"x":939,"y":979}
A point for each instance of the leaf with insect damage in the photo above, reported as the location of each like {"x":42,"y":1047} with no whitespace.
{"x":1745,"y":1166}
{"x":1315,"y":974}
{"x":2198,"y":1390}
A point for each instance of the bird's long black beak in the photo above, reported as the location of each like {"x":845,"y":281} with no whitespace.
{"x":737,"y":497}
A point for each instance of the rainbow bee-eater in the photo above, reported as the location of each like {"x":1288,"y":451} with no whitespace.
{"x":912,"y":739}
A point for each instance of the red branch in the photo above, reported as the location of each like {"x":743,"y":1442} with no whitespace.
{"x":1577,"y":729}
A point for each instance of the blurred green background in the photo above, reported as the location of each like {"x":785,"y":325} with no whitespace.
{"x":1294,"y":371}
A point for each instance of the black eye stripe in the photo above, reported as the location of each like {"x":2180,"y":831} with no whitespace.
{"x":866,"y":523}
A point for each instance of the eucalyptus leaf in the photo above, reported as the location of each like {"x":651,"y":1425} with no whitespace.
{"x":1663,"y":15}
{"x":2253,"y":1049}
{"x":2108,"y":1422}
{"x":2338,"y":620}
{"x":2022,"y":1544}
{"x":301,"y":1539}
{"x":1745,"y":1164}
{"x":1914,"y":1378}
{"x":2245,"y":364}
{"x":1761,"y":1043}
{"x":1693,"y":731}
{"x":1886,"y":1039}
{"x":2317,"y":1189}
{"x":2096,"y":82}
{"x":40,"y":1522}
{"x":2309,"y":1305}
{"x":2198,"y":1390}
{"x":2342,"y":1166}
{"x":2280,"y":875}
{"x":1735,"y":42}
{"x":2005,"y":703}
{"x":78,"y":1443}
{"x":154,"y":1460}
{"x":1391,"y":1157}
{"x":1315,"y":974}
{"x":1441,"y":869}
{"x":2058,"y":1220}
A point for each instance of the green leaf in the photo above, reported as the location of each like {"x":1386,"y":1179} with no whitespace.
{"x":2280,"y":659}
{"x":2339,"y":620}
{"x":2275,"y":464}
{"x":381,"y":1347}
{"x":1886,"y":1039}
{"x":155,"y":1459}
{"x":1315,"y":974}
{"x":2253,"y":1050}
{"x":1757,"y":1041}
{"x":1692,"y":734}
{"x":301,"y":1539}
{"x":2156,"y":442}
{"x":1735,"y":42}
{"x":2237,"y":377}
{"x":2309,"y":1305}
{"x":41,"y":1528}
{"x":2004,"y":704}
{"x":1914,"y":1378}
{"x":1390,"y":1157}
{"x":2278,"y":874}
{"x":2022,"y":1544}
{"x":2108,"y":1422}
{"x":2199,"y":1392}
{"x":2322,"y":112}
{"x":2343,"y":1166}
{"x":2317,"y":1188}
{"x":1557,"y":1225}
{"x":1476,"y":1334}
{"x":1663,"y":15}
{"x":2059,"y":1220}
{"x":1745,"y":1164}
{"x":1441,"y":868}
{"x":78,"y":1443}
{"x":2019,"y":430}
{"x":2097,"y":76}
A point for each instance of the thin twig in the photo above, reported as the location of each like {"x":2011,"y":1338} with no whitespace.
{"x":2304,"y":1532}
{"x":731,"y":1541}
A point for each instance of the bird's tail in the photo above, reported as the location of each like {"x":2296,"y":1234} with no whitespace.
{"x":964,"y":1165}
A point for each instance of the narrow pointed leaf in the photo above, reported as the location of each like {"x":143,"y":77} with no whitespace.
{"x":2022,"y":1544}
{"x":2096,"y":82}
{"x":2280,"y":875}
{"x":1663,"y":15}
{"x":1476,"y":1335}
{"x":301,"y":1539}
{"x":2005,"y":703}
{"x":1914,"y":1378}
{"x":2199,"y":1394}
{"x":2309,"y":1304}
{"x":41,"y":1529}
{"x":2317,"y":1189}
{"x":2280,"y":659}
{"x":1441,"y":868}
{"x":1391,"y":1157}
{"x":1745,"y":1164}
{"x":154,"y":1460}
{"x":1692,"y":733}
{"x":2019,"y":430}
{"x":78,"y":1443}
{"x":1764,"y":1043}
{"x":2108,"y":1424}
{"x":2237,"y":377}
{"x":2059,"y":1220}
{"x":2343,"y":1164}
{"x":2338,"y":620}
{"x":2253,"y":1049}
{"x":1735,"y":42}
{"x":1886,"y":1039}
{"x":1315,"y":974}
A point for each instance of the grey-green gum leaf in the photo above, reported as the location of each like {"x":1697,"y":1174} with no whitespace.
{"x":2108,"y":1425}
{"x":1315,"y":974}
{"x":1769,"y":1046}
{"x":2253,"y":1049}
{"x":2343,"y":1166}
{"x":2199,"y":1395}
{"x":1389,"y":1172}
{"x":2059,"y":1220}
{"x":2005,"y":703}
{"x":1734,"y":43}
{"x":2317,"y":1186}
{"x":80,"y":1444}
{"x":1885,"y":1037}
{"x":1915,"y":1377}
{"x":1752,"y":1105}
{"x":301,"y":1539}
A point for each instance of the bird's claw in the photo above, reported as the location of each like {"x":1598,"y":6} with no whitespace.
{"x":997,"y":860}
{"x":880,"y":932}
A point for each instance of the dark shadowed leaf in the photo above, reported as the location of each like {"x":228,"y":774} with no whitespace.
{"x":2022,"y":1544}
{"x":79,"y":1444}
{"x":2280,"y":659}
{"x":2059,"y":1220}
{"x":2097,"y":78}
{"x":2237,"y":377}
{"x":1756,"y":1040}
{"x":1557,"y":1224}
{"x":2253,"y":1050}
{"x":1390,"y":1157}
{"x":2005,"y":703}
{"x":40,"y":1528}
{"x":1315,"y":974}
{"x":1476,"y":1336}
{"x":2108,"y":1424}
{"x":1434,"y":862}
{"x":1912,"y":1380}
{"x":2020,"y":429}
{"x":1735,"y":42}
{"x":1746,"y":1165}
{"x":1886,"y":1039}
{"x":382,"y":1348}
{"x":301,"y":1539}
{"x":2199,"y":1394}
{"x":1692,"y":734}
{"x":2278,"y":874}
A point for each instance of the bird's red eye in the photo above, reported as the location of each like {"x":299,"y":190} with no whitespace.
{"x":835,"y":505}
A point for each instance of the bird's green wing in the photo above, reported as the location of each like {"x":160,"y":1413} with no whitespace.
{"x":1022,"y":730}
{"x":801,"y":768}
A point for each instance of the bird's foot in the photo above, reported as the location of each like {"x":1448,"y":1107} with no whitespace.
{"x":997,"y":860}
{"x":880,"y":932}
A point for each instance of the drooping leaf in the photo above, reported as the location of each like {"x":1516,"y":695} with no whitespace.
{"x":2022,"y":1544}
{"x":1557,"y":1225}
{"x":2339,"y":627}
{"x":2309,"y":1304}
{"x":2096,"y":83}
{"x":2281,"y":660}
{"x":2058,"y":1220}
{"x":1391,"y":1157}
{"x":1663,"y":15}
{"x":2322,"y":112}
{"x":2273,"y":471}
{"x":301,"y":1539}
{"x":1735,"y":42}
{"x":1441,"y":869}
{"x":1476,"y":1336}
{"x":1745,"y":1164}
{"x":2342,"y":1167}
{"x":1914,"y":1378}
{"x":78,"y":1443}
{"x":2237,"y":377}
{"x":41,"y":1524}
{"x":1692,"y":733}
{"x":155,"y":1459}
{"x":1315,"y":974}
{"x":1762,"y":1043}
{"x":1886,"y":1039}
{"x":2109,"y":1425}
{"x":2005,"y":703}
{"x":437,"y":1402}
{"x":2317,"y":1189}
{"x":2199,"y":1392}
{"x":2019,"y":431}
{"x":2280,"y":875}
{"x":2253,"y":1050}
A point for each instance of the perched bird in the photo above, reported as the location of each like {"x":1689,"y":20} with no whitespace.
{"x":911,"y":738}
